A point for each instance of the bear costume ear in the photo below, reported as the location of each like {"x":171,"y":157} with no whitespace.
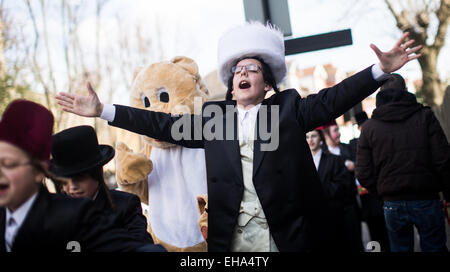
{"x":187,"y":63}
{"x":136,"y":72}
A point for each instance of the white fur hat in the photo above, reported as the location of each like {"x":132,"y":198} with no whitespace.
{"x":252,"y":39}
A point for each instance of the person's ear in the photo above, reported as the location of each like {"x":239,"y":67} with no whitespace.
{"x":267,"y":87}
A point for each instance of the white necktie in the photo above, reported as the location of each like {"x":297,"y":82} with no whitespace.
{"x":9,"y":234}
{"x":246,"y":127}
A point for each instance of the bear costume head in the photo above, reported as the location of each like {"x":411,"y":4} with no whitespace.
{"x":169,"y":87}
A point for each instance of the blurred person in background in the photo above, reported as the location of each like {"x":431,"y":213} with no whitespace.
{"x":403,"y":156}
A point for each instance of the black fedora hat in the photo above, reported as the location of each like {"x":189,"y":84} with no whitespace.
{"x":361,"y":117}
{"x":76,"y":150}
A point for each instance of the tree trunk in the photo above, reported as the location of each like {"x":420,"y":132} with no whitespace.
{"x":432,"y":89}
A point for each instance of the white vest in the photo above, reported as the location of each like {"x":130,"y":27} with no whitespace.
{"x":252,"y":232}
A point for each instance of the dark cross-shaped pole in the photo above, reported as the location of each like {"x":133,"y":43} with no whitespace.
{"x":277,"y":13}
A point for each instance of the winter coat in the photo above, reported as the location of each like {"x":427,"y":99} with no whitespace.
{"x":403,"y":153}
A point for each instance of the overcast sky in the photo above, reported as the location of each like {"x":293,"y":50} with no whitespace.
{"x":192,"y":28}
{"x":203,"y":21}
{"x":198,"y":25}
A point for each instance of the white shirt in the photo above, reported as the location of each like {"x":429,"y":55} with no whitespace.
{"x":18,"y":217}
{"x":247,"y":121}
{"x":109,"y":111}
{"x":316,"y":158}
{"x":334,"y":150}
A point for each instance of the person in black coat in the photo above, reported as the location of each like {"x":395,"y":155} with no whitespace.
{"x":335,"y":146}
{"x":32,"y":219}
{"x":56,"y":223}
{"x":371,"y":207}
{"x":77,"y":155}
{"x":335,"y":180}
{"x":352,"y":212}
{"x":276,"y":170}
{"x":404,"y":157}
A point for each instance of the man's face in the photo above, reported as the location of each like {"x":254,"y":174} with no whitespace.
{"x":335,"y":136}
{"x":313,"y":140}
{"x":249,"y":87}
{"x":82,"y":185}
{"x":19,"y":180}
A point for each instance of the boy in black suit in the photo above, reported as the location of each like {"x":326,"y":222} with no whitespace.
{"x":32,"y":219}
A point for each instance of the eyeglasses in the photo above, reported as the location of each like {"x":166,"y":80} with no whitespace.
{"x":249,"y":68}
{"x":10,"y":165}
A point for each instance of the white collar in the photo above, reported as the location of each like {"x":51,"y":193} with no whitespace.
{"x":318,"y":153}
{"x":334,"y":150}
{"x":316,"y":158}
{"x":252,"y":111}
{"x":20,"y":213}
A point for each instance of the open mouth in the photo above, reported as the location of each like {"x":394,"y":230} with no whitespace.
{"x":4,"y":188}
{"x":244,"y":84}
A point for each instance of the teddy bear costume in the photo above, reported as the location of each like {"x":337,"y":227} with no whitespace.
{"x":175,"y":176}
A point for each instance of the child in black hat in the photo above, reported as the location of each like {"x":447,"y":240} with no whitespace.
{"x":31,"y":218}
{"x":78,"y":156}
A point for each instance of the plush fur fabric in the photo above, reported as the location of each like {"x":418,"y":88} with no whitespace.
{"x":170,"y":87}
{"x":132,"y":169}
{"x":202,"y":202}
{"x":252,"y":39}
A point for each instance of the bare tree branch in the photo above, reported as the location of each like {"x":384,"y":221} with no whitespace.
{"x":35,"y":66}
{"x":47,"y":46}
{"x":443,"y":15}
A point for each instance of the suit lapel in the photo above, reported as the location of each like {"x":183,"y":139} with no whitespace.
{"x":232,"y":146}
{"x":33,"y":222}
{"x":258,"y":155}
{"x":322,"y":164}
{"x":2,"y":229}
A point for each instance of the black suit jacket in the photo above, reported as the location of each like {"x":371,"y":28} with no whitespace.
{"x":285,"y":179}
{"x":127,"y":213}
{"x":54,"y":220}
{"x":346,"y":152}
{"x":335,"y":179}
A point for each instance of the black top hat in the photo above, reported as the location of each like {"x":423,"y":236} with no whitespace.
{"x":76,"y":150}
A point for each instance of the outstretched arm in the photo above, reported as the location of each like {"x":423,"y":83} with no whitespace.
{"x":87,"y":106}
{"x":328,"y":104}
{"x":156,"y":125}
{"x":398,"y":56}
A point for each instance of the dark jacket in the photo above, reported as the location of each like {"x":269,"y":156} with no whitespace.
{"x":353,"y":145}
{"x":54,"y":220}
{"x":338,"y":185}
{"x":127,"y":213}
{"x":371,"y":205}
{"x":346,"y":152}
{"x":335,"y":180}
{"x":285,"y":179}
{"x":402,"y":151}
